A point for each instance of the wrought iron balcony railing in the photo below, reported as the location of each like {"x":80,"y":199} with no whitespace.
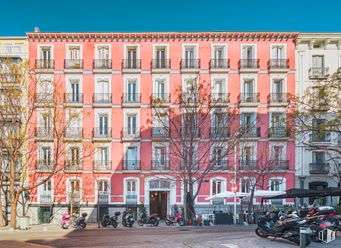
{"x":73,"y":165}
{"x":73,"y":98}
{"x":278,"y":164}
{"x":102,"y":165}
{"x":319,"y":168}
{"x":131,"y":132}
{"x":247,"y":164}
{"x":102,"y":64}
{"x":278,"y":98}
{"x":131,"y":199}
{"x":320,"y":136}
{"x":160,"y":132}
{"x":131,"y":98}
{"x":220,"y":97}
{"x":279,"y":64}
{"x":318,"y":72}
{"x":131,"y":164}
{"x":161,"y":64}
{"x":249,"y":97}
{"x":250,"y":132}
{"x":74,"y":133}
{"x":44,"y":98}
{"x":102,"y":98}
{"x":278,"y":132}
{"x":190,"y":132}
{"x":44,"y":63}
{"x":249,"y":63}
{"x":219,"y":132}
{"x":219,"y":64}
{"x":190,"y":64}
{"x":102,"y":132}
{"x":44,"y":132}
{"x":73,"y":64}
{"x":160,"y":98}
{"x":45,"y":165}
{"x":220,"y":164}
{"x":45,"y":198}
{"x":160,"y":164}
{"x":131,"y":64}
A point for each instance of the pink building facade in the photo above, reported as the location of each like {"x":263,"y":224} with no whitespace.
{"x":108,"y":81}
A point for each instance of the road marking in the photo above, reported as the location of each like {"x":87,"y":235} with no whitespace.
{"x":230,"y":245}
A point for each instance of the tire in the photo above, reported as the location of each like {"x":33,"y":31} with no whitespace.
{"x":181,"y":222}
{"x":156,"y":223}
{"x":307,"y":241}
{"x":168,"y":223}
{"x":140,"y":222}
{"x":114,"y":225}
{"x":130,"y":225}
{"x":104,"y":224}
{"x":315,"y":236}
{"x":261,"y":233}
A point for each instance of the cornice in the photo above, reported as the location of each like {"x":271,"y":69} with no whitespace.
{"x":195,"y":36}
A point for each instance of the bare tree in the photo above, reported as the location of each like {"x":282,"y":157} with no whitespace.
{"x":27,"y":97}
{"x":202,"y":131}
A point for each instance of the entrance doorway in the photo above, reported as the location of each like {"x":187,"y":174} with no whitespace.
{"x":158,"y":203}
{"x":45,"y":214}
{"x":318,"y":186}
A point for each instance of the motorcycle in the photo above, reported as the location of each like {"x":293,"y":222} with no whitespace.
{"x":175,"y":220}
{"x":66,"y":221}
{"x":113,"y":220}
{"x":80,"y":222}
{"x":128,"y":219}
{"x":287,"y":227}
{"x":144,"y":219}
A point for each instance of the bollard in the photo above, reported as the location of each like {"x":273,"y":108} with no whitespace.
{"x":303,"y":237}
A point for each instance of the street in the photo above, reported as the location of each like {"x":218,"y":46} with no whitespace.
{"x":196,"y":237}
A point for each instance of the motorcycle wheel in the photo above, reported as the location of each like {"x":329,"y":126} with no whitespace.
{"x":114,"y":225}
{"x":307,"y":241}
{"x":315,"y":234}
{"x":261,"y":233}
{"x":156,"y":223}
{"x":181,"y":222}
{"x":104,"y":224}
{"x":140,"y":222}
{"x":130,"y":225}
{"x":168,"y":223}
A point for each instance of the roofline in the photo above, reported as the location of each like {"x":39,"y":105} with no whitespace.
{"x":13,"y":37}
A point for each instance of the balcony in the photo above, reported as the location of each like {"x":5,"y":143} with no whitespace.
{"x":219,"y":65}
{"x":160,"y":164}
{"x":249,"y":98}
{"x":131,"y":200}
{"x":190,"y":132}
{"x":279,"y":65}
{"x":102,"y":65}
{"x":102,"y":165}
{"x":74,"y":133}
{"x":131,"y":65}
{"x":320,"y":137}
{"x":249,"y":65}
{"x":45,"y":198}
{"x":103,"y":197}
{"x":44,"y":133}
{"x":73,"y":166}
{"x":190,"y":65}
{"x":248,"y":164}
{"x":160,"y":99}
{"x":102,"y":99}
{"x":44,"y":65}
{"x":160,"y":133}
{"x":219,"y":133}
{"x":250,"y":132}
{"x":193,"y":167}
{"x":131,"y":99}
{"x":101,"y":134}
{"x":318,"y":72}
{"x":73,"y":65}
{"x":131,"y":133}
{"x":319,"y":168}
{"x":220,"y":98}
{"x":73,"y":99}
{"x":74,"y":197}
{"x":190,"y":98}
{"x":10,"y":80}
{"x":43,"y":165}
{"x":44,"y":98}
{"x":161,"y":65}
{"x":220,"y":164}
{"x":278,"y":164}
{"x":131,"y":164}
{"x":278,"y":132}
{"x":278,"y":98}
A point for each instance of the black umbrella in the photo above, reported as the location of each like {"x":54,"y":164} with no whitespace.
{"x":298,"y":193}
{"x":331,"y":191}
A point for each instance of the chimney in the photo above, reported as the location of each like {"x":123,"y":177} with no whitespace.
{"x":36,"y":29}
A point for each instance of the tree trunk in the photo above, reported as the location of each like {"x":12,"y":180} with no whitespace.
{"x":2,"y":223}
{"x":14,"y":204}
{"x":249,"y":214}
{"x":14,"y":198}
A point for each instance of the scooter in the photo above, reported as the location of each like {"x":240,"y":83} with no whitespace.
{"x":175,"y":220}
{"x":152,"y":220}
{"x":127,"y":219}
{"x":66,"y":221}
{"x":113,"y":220}
{"x":80,"y":222}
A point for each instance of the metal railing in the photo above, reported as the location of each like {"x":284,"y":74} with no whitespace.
{"x":190,"y":64}
{"x":75,"y":196}
{"x":250,"y":132}
{"x":190,"y":132}
{"x":73,"y":165}
{"x":278,"y":164}
{"x":220,"y":164}
{"x":44,"y":98}
{"x":131,"y":199}
{"x":220,"y":97}
{"x":319,"y":136}
{"x":131,"y":164}
{"x":278,"y":98}
{"x":102,"y":63}
{"x":73,"y":98}
{"x":160,"y":98}
{"x":190,"y":97}
{"x":161,"y":64}
{"x":318,"y":72}
{"x":131,"y":98}
{"x":219,"y":132}
{"x":219,"y":64}
{"x":279,"y":64}
{"x":249,"y":97}
{"x":74,"y":132}
{"x":46,"y":198}
{"x":131,"y":132}
{"x":73,"y":64}
{"x":249,"y":63}
{"x":99,"y":132}
{"x":160,"y":132}
{"x":131,"y":64}
{"x":278,"y":132}
{"x":44,"y":63}
{"x":319,"y":168}
{"x":44,"y":132}
{"x":102,"y":98}
{"x":102,"y":165}
{"x":248,"y":164}
{"x":44,"y":165}
{"x":103,"y":197}
{"x":160,"y":164}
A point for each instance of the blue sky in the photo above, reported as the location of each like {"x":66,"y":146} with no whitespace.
{"x":20,"y":16}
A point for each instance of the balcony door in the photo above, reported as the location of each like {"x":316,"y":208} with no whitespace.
{"x":247,"y":154}
{"x":249,"y":90}
{"x":277,"y":52}
{"x":46,"y":156}
{"x":103,"y":125}
{"x":132,"y":124}
{"x":132,"y":91}
{"x":218,"y":156}
{"x":132,"y":58}
{"x":103,"y":91}
{"x":75,"y":156}
{"x":103,"y":53}
{"x":46,"y":123}
{"x":277,"y":120}
{"x":46,"y":53}
{"x":75,"y":91}
{"x":74,"y":53}
{"x":277,"y":153}
{"x":219,"y":89}
{"x":219,"y":57}
{"x":46,"y":193}
{"x":160,"y":156}
{"x":131,"y":191}
{"x":104,"y":157}
{"x":131,"y":158}
{"x":278,"y":86}
{"x":161,"y":58}
{"x":189,"y":57}
{"x":74,"y":190}
{"x":318,"y":61}
{"x":318,"y":158}
{"x":248,"y":121}
{"x":248,"y":52}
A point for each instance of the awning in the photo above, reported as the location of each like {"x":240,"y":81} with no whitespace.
{"x":298,"y":193}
